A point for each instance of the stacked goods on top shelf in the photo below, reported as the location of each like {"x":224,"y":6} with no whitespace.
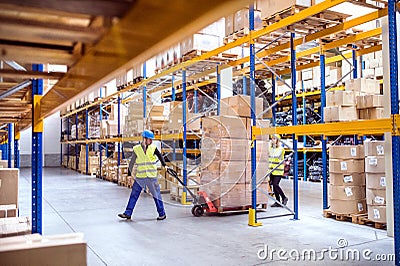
{"x":373,"y":65}
{"x":375,"y":180}
{"x":347,"y":179}
{"x":225,"y":159}
{"x":269,"y":8}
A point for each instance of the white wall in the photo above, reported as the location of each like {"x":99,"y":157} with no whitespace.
{"x":51,"y":142}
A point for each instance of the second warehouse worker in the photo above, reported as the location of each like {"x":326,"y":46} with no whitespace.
{"x":276,"y":157}
{"x":145,"y":156}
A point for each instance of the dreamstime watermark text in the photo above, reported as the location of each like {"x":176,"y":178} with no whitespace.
{"x":340,"y":253}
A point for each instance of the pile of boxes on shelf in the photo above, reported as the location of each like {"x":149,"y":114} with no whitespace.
{"x":94,"y":127}
{"x":361,"y":99}
{"x":357,"y":180}
{"x":225,"y":167}
{"x":373,"y":65}
{"x":109,"y":127}
{"x":93,"y":162}
{"x":134,"y":123}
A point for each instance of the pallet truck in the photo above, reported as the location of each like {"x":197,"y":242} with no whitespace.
{"x":201,"y":202}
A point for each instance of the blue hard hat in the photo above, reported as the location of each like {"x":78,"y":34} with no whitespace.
{"x":148,"y":134}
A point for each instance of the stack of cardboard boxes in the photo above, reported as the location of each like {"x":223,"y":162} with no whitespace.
{"x":9,"y":190}
{"x":134,"y":123}
{"x":174,"y":112}
{"x":368,"y":100}
{"x":375,"y":180}
{"x":347,"y":179}
{"x":156,"y":118}
{"x":225,"y":162}
{"x":340,"y":106}
{"x":361,"y":94}
{"x":38,"y":250}
{"x":93,"y":162}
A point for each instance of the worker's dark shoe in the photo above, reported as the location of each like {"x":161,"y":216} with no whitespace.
{"x":124,"y":216}
{"x":285,"y":200}
{"x":275,"y":205}
{"x":159,"y":218}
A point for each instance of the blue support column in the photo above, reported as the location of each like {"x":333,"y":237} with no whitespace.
{"x":355,"y":63}
{"x":37,"y":155}
{"x":119,"y":135}
{"x":87,"y":145}
{"x":394,"y":93}
{"x":9,"y":146}
{"x":218,"y":90}
{"x":100,"y":145}
{"x":16,"y":147}
{"x":273,"y":80}
{"x":252,"y":210}
{"x":173,"y":88}
{"x":184,"y":154}
{"x":324,"y":140}
{"x":196,"y":109}
{"x":76,"y":145}
{"x":294,"y":122}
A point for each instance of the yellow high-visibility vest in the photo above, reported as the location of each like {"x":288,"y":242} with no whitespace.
{"x":146,"y":163}
{"x":276,"y":155}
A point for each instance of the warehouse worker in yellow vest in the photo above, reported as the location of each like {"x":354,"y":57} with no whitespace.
{"x":276,"y":156}
{"x":145,"y":156}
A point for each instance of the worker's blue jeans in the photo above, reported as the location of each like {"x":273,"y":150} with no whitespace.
{"x":154,"y":189}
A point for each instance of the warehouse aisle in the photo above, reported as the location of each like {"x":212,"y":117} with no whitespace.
{"x":79,"y":203}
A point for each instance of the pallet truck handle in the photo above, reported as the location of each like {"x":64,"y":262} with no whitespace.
{"x":175,"y":175}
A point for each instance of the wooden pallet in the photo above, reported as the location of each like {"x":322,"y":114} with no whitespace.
{"x":179,"y":198}
{"x":354,"y":218}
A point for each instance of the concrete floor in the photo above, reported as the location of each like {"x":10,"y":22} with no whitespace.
{"x":77,"y":203}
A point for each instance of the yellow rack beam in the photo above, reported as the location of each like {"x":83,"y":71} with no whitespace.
{"x":308,"y":94}
{"x":188,"y":151}
{"x":361,"y":127}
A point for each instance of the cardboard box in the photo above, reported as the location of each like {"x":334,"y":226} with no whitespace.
{"x":224,"y":127}
{"x":348,"y":206}
{"x":224,"y":172}
{"x":3,"y":164}
{"x":375,"y":164}
{"x":229,"y":25}
{"x":262,"y":168}
{"x":9,"y":189}
{"x":374,"y":148}
{"x":363,"y":85}
{"x":204,"y":42}
{"x":346,"y":192}
{"x":239,"y":105}
{"x":35,"y":250}
{"x":372,"y":113}
{"x":346,"y":152}
{"x":14,"y":226}
{"x":224,"y":149}
{"x":377,"y":213}
{"x":340,"y":98}
{"x":193,"y":122}
{"x":372,"y":101}
{"x":353,"y":179}
{"x":346,"y":166}
{"x":376,"y":196}
{"x":268,"y":7}
{"x":241,"y":20}
{"x":375,"y":181}
{"x":340,"y":113}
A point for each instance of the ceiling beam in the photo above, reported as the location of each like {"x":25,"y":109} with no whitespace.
{"x":29,"y":55}
{"x":44,"y":32}
{"x":10,"y":73}
{"x":15,"y":88}
{"x":107,"y":8}
{"x":7,"y":84}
